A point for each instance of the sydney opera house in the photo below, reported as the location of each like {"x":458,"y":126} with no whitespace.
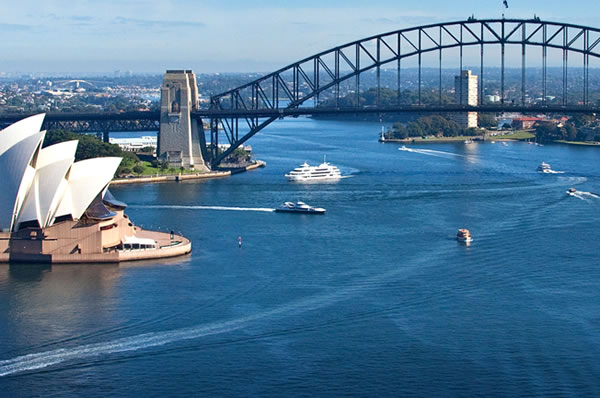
{"x":53,"y":209}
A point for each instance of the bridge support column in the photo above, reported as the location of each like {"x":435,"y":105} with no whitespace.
{"x":106,"y":136}
{"x":180,"y":137}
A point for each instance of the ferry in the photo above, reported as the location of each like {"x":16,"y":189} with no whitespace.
{"x":463,"y":235}
{"x":299,"y":207}
{"x":306,"y":173}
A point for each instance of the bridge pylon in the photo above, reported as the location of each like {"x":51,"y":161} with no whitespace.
{"x":181,"y":141}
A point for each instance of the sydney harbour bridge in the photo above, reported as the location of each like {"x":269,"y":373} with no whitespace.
{"x":324,"y":83}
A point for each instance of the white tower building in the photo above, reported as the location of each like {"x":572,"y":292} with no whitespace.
{"x":466,"y":91}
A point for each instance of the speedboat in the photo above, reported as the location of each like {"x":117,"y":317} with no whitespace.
{"x":572,"y":191}
{"x":545,"y":168}
{"x":463,"y":235}
{"x":306,"y":173}
{"x":468,"y":141}
{"x":403,"y":148}
{"x":299,"y":207}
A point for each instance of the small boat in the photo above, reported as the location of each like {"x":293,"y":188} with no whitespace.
{"x":545,"y":168}
{"x":468,"y":141}
{"x":572,"y":191}
{"x":463,"y":235}
{"x":382,"y":137}
{"x":504,"y":143}
{"x":299,"y":207}
{"x":493,"y":142}
{"x":403,"y":148}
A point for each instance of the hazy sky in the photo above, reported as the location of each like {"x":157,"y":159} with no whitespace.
{"x":223,"y":36}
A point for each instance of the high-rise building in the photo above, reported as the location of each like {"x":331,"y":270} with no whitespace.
{"x":466,"y":91}
{"x":181,"y":139}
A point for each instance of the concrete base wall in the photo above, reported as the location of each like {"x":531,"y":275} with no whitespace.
{"x":81,"y":242}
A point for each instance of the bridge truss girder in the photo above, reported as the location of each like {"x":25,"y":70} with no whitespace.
{"x":294,"y":85}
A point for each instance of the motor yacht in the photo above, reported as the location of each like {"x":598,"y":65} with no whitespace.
{"x":306,"y":173}
{"x":299,"y":207}
{"x":463,"y":235}
{"x":545,"y":168}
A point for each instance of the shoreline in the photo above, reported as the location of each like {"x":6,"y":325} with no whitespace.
{"x":219,"y":173}
{"x":430,"y":140}
{"x":578,"y":143}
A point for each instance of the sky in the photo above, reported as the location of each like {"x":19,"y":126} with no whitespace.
{"x":146,"y":36}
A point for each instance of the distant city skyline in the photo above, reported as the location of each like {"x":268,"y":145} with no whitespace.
{"x":84,"y":36}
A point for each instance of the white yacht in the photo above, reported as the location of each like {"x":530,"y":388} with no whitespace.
{"x":299,"y":207}
{"x":545,"y":168}
{"x":306,"y":173}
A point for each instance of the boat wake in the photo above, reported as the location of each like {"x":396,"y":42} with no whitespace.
{"x":431,"y":152}
{"x":44,"y":359}
{"x":554,"y":172}
{"x":183,"y":207}
{"x":584,"y":195}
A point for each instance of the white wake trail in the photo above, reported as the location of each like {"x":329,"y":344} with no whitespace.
{"x":583,"y":195}
{"x":432,"y":152}
{"x":183,"y":207}
{"x":147,"y":340}
{"x":45,"y":359}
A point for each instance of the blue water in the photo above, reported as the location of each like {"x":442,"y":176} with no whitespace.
{"x":374,"y":298}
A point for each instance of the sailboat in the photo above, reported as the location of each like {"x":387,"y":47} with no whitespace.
{"x":382,"y":137}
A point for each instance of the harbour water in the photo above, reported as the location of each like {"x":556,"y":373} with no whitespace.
{"x":374,"y":298}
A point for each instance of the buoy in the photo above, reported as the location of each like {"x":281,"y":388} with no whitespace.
{"x":239,"y":241}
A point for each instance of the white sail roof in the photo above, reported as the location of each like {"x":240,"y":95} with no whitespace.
{"x":49,"y":183}
{"x":17,"y":174}
{"x":20,"y":130}
{"x":86,"y":179}
{"x":42,"y":184}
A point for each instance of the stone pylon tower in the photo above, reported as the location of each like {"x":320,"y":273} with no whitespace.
{"x":181,"y":139}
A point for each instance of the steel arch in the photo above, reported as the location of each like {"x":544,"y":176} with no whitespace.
{"x":279,"y":93}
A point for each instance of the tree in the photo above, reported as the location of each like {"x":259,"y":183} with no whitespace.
{"x":546,"y":132}
{"x":582,"y":120}
{"x":398,"y":131}
{"x":571,"y":131}
{"x":138,"y":169}
{"x":415,"y":130}
{"x":487,"y":120}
